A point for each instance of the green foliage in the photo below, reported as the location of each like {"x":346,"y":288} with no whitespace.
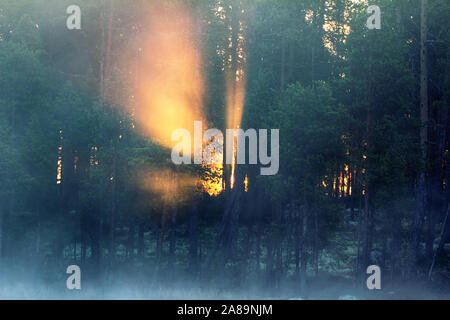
{"x":346,"y":102}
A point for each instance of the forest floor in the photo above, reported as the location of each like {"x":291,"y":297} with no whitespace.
{"x":338,"y":289}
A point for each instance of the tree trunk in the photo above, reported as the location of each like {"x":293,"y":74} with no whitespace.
{"x":112,"y":221}
{"x":283,"y":64}
{"x":316,"y":243}
{"x":303,"y":257}
{"x":421,"y":184}
{"x":141,"y":240}
{"x":172,"y":236}
{"x":193,"y":236}
{"x":259,"y":232}
{"x":368,"y":230}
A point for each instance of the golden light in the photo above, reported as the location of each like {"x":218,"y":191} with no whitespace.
{"x":212,"y":183}
{"x":342,"y":182}
{"x":235,"y":99}
{"x":59,"y":159}
{"x":167,"y":89}
{"x":171,"y":186}
{"x":59,"y":167}
{"x":168,"y":85}
{"x":235,"y":73}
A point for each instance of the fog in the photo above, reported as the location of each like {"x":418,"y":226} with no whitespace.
{"x":93,"y":97}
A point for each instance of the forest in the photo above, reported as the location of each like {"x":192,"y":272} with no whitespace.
{"x":89,"y":100}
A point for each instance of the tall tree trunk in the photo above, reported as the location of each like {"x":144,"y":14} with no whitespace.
{"x":83,"y":237}
{"x":396,"y":227}
{"x":160,"y":238}
{"x":421,"y":184}
{"x":193,"y":236}
{"x":368,"y":233}
{"x":259,"y":231}
{"x":112,"y":220}
{"x":270,"y":262}
{"x":313,"y":76}
{"x":6,"y":226}
{"x":172,"y":236}
{"x":283,"y":64}
{"x":303,"y":253}
{"x":316,"y":243}
{"x":359,"y":229}
{"x":106,"y":20}
{"x":141,"y":240}
{"x":298,"y":240}
{"x":368,"y":220}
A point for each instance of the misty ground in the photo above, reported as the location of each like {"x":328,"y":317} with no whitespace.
{"x":130,"y":286}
